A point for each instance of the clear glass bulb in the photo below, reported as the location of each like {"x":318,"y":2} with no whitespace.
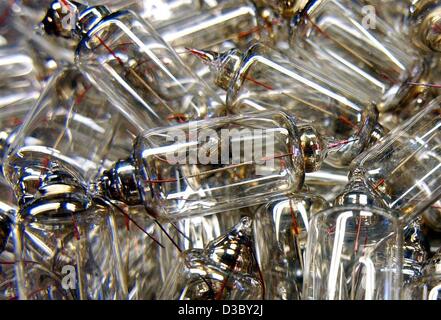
{"x":370,"y":47}
{"x":216,"y":165}
{"x":139,"y":72}
{"x":224,"y":270}
{"x":72,"y":127}
{"x":229,"y":24}
{"x":354,"y":249}
{"x":65,"y":234}
{"x":281,"y":229}
{"x":264,"y":79}
{"x":353,"y":254}
{"x":405,"y":165}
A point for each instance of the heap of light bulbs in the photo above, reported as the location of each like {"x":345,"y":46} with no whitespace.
{"x":223,"y":149}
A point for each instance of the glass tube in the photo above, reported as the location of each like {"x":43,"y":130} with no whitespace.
{"x":281,"y":229}
{"x":328,"y":182}
{"x":80,"y":244}
{"x":20,"y":85}
{"x":416,"y":250}
{"x":215,"y":165}
{"x":353,"y":253}
{"x":405,"y":166}
{"x":139,"y":255}
{"x":263,"y":79}
{"x":377,"y":52}
{"x":136,"y":68}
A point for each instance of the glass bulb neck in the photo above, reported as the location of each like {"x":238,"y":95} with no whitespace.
{"x":233,"y":251}
{"x":313,"y":147}
{"x":89,"y":17}
{"x":225,"y":65}
{"x":368,"y":133}
{"x":120,"y":183}
{"x":357,"y":192}
{"x":59,"y":198}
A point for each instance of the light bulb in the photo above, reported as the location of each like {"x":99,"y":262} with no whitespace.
{"x":354,"y":249}
{"x":216,"y":165}
{"x":134,"y":66}
{"x":264,"y":79}
{"x":281,"y":229}
{"x":404,"y":166}
{"x":224,"y":270}
{"x":64,"y":233}
{"x":360,"y":40}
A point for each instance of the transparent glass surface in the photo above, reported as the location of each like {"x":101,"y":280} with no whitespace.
{"x":264,"y":79}
{"x":71,"y":128}
{"x":19,"y":87}
{"x":139,"y":255}
{"x":353,"y":253}
{"x":416,"y":251}
{"x":405,"y":166}
{"x":160,"y":12}
{"x":79,"y":251}
{"x":328,"y":182}
{"x":218,"y":164}
{"x":229,"y":24}
{"x":140,"y":72}
{"x":224,"y":270}
{"x":375,"y":52}
{"x":280,"y":231}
